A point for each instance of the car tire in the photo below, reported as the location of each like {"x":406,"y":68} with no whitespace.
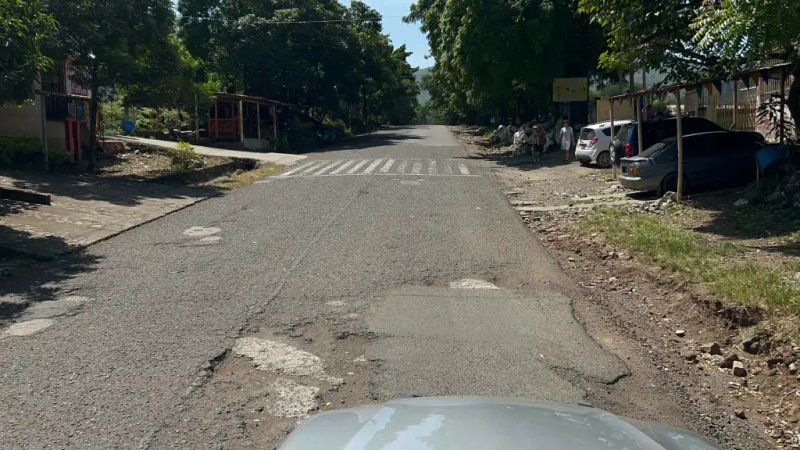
{"x":604,"y":160}
{"x":670,"y":183}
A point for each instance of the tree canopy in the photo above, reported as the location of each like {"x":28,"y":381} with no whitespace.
{"x":24,"y":31}
{"x":316,"y":53}
{"x":502,"y":56}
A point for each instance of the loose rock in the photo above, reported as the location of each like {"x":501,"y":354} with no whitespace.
{"x":680,"y":333}
{"x":792,"y":369}
{"x":728,"y":361}
{"x":738,"y":369}
{"x":711,"y":348}
{"x":688,"y":354}
{"x":739,"y":413}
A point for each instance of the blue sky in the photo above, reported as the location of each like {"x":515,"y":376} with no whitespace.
{"x":402,"y":33}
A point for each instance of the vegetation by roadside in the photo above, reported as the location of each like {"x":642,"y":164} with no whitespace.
{"x":722,"y":265}
{"x":241,"y":178}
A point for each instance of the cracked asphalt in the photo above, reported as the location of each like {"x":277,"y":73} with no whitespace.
{"x":362,"y":261}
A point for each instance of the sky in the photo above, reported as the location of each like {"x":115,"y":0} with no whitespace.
{"x":402,"y":33}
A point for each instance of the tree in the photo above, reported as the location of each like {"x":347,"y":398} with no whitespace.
{"x":24,"y":29}
{"x":501,"y":56}
{"x":698,"y":39}
{"x":110,"y":43}
{"x":318,"y":54}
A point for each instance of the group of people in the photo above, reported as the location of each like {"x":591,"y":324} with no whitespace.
{"x":538,"y":138}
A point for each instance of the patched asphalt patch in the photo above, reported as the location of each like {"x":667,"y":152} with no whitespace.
{"x":27,"y":328}
{"x":282,"y":358}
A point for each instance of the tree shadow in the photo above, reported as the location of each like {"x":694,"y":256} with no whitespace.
{"x":780,"y":225}
{"x":28,"y":279}
{"x":124,"y":192}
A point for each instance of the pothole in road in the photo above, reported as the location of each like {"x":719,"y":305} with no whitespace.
{"x":468,"y":283}
{"x":197,"y":231}
{"x":294,"y":399}
{"x":27,"y":328}
{"x":282,"y":358}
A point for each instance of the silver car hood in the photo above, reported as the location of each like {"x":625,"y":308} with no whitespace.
{"x":467,"y":423}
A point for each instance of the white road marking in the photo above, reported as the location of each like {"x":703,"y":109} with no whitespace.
{"x":463,"y":168}
{"x":342,"y":167}
{"x":472,"y":284}
{"x":401,"y":168}
{"x":314,"y":167}
{"x":328,"y":167}
{"x":296,"y":169}
{"x":211,"y":239}
{"x":357,"y":166}
{"x":432,"y":167}
{"x":197,"y":231}
{"x":372,"y":166}
{"x":417,"y":168}
{"x":387,"y":166}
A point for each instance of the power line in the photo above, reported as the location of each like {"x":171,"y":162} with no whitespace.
{"x":297,"y":22}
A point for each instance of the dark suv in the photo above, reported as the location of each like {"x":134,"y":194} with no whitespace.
{"x":626,"y":142}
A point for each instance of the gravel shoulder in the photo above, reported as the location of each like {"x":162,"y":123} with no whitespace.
{"x":660,"y":326}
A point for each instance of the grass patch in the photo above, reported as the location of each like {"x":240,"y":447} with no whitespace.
{"x":244,"y":177}
{"x":699,"y":260}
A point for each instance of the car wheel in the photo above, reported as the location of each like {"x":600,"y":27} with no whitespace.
{"x":670,"y":183}
{"x":604,"y":159}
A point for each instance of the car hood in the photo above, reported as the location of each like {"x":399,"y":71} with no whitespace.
{"x":466,"y":423}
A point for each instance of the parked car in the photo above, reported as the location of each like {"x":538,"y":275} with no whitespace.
{"x":711,"y":159}
{"x":594,"y":141}
{"x":626,"y":141}
{"x":478,"y":423}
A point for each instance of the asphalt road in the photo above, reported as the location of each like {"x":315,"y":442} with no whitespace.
{"x":350,"y":256}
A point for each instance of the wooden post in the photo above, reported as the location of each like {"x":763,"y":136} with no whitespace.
{"x":274,"y":122}
{"x":735,"y":103}
{"x":639,"y":124}
{"x":644,"y":98}
{"x":241,"y":121}
{"x":783,"y":106}
{"x":216,"y":120}
{"x":679,"y":123}
{"x":611,"y":119}
{"x":196,"y":122}
{"x":258,"y":119}
{"x":45,"y":152}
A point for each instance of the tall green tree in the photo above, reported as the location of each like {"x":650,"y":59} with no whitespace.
{"x":111,"y":43}
{"x":24,"y":30}
{"x":502,"y":56}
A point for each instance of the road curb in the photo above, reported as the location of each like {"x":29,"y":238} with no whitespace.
{"x":24,"y":195}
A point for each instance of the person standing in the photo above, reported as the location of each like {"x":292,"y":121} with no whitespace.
{"x":567,"y":137}
{"x":539,"y":138}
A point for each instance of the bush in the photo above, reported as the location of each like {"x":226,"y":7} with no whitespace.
{"x":26,"y":154}
{"x":184,"y":157}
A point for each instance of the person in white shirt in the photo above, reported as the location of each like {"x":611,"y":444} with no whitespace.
{"x":567,"y":137}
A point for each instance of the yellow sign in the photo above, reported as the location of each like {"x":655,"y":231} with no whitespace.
{"x":570,"y":89}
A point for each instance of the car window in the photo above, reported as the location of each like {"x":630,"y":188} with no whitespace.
{"x":701,"y":146}
{"x":607,"y":131}
{"x":586,"y":134}
{"x":624,"y":133}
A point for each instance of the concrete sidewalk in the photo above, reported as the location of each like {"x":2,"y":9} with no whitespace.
{"x":283,"y":159}
{"x":83,"y":210}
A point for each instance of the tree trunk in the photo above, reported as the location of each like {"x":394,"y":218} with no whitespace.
{"x":793,"y":100}
{"x":91,"y":155}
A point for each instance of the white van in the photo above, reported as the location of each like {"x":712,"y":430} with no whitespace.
{"x":594,"y":143}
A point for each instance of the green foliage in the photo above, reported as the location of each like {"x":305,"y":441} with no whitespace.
{"x":500,"y":57}
{"x":698,"y":260}
{"x":300,"y":136}
{"x":184,"y":157}
{"x":334,"y":69}
{"x":26,"y":154}
{"x":24,"y":29}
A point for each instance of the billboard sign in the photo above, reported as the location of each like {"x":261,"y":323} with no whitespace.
{"x":570,"y":89}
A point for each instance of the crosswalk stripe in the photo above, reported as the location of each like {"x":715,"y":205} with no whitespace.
{"x":463,"y":168}
{"x":401,"y":168}
{"x":387,"y":166}
{"x":342,"y":167}
{"x":328,"y":167}
{"x":372,"y":166}
{"x":448,"y":169}
{"x":417,"y":169}
{"x":297,"y":169}
{"x":358,"y":166}
{"x":432,"y":167}
{"x":314,"y":167}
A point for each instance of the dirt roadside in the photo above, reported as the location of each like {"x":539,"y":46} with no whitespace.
{"x":662,"y":328}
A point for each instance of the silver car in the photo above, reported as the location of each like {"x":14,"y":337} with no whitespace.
{"x":710,"y":159}
{"x":478,"y":423}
